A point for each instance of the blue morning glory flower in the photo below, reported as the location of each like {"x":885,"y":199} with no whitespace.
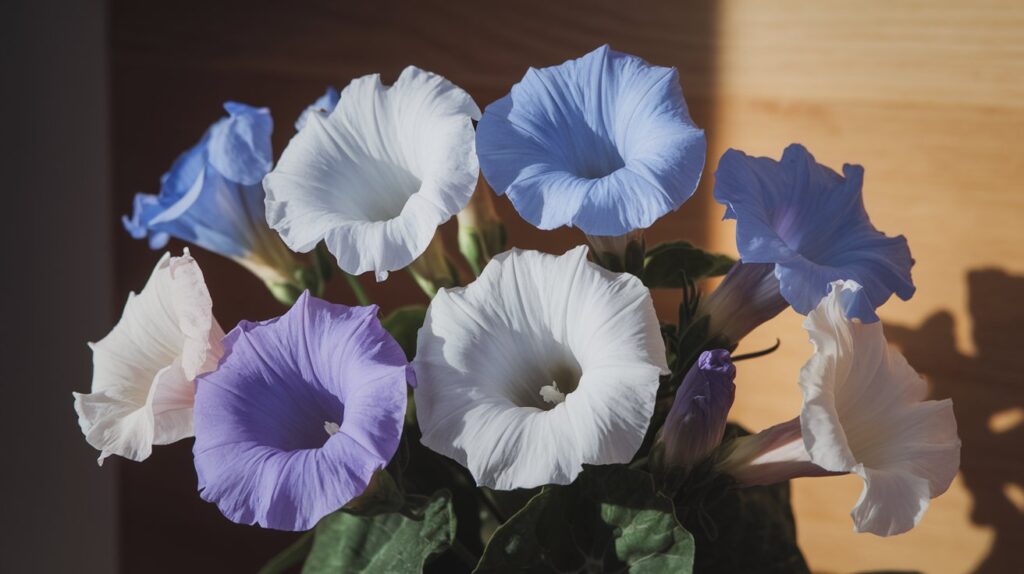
{"x":604,"y":143}
{"x":213,"y":197}
{"x":810,"y":222}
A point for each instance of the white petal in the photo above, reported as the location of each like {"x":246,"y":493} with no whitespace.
{"x":529,"y":321}
{"x":376,"y":176}
{"x":143,"y":370}
{"x":864,"y":411}
{"x":892,"y":502}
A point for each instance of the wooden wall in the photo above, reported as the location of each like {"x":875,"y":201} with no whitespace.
{"x":929,"y":98}
{"x":926,"y":95}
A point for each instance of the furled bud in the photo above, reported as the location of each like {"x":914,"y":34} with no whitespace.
{"x":696,"y":423}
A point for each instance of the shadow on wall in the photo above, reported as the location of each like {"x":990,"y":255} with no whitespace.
{"x":988,"y":396}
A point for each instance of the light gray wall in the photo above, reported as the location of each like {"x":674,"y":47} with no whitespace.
{"x":58,"y":510}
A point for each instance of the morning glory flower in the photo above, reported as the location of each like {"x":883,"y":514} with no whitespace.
{"x":375,"y":178}
{"x":604,"y":143}
{"x":303,"y":409}
{"x":213,"y":197}
{"x":543,"y":364}
{"x":864,"y":412}
{"x":325,"y":103}
{"x":143,"y":370}
{"x":696,"y":423}
{"x":810,"y":223}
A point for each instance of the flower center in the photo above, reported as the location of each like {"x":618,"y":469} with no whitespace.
{"x":331,"y":428}
{"x":551,"y":394}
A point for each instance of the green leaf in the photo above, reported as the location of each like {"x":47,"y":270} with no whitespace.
{"x":403,"y":324}
{"x":667,"y":264}
{"x":741,"y":529}
{"x":382,"y":538}
{"x":609,"y":520}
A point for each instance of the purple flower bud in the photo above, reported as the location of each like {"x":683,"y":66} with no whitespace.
{"x":696,"y":423}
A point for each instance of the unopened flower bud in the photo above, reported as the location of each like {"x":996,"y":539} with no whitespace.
{"x":696,"y":423}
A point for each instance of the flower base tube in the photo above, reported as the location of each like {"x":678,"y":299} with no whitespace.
{"x":620,"y":253}
{"x":481,"y":232}
{"x":433,"y":270}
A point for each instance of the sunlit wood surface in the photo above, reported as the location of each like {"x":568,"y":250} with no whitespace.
{"x":928,"y":96}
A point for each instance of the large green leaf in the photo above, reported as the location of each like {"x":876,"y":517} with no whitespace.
{"x":403,"y":324}
{"x":609,"y":520}
{"x":667,"y":264}
{"x":387,"y":535}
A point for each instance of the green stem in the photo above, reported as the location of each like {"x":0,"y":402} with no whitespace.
{"x":464,"y":554}
{"x":353,"y":283}
{"x":294,"y":554}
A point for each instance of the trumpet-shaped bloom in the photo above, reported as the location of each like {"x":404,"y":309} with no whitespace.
{"x":864,"y":412}
{"x":696,"y":423}
{"x":810,"y":222}
{"x":748,"y":297}
{"x":303,"y":409}
{"x":375,"y":178}
{"x":212,"y":197}
{"x":142,"y":386}
{"x":325,"y":103}
{"x":603,"y":142}
{"x":541,"y":365}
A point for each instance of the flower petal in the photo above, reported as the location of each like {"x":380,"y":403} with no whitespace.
{"x":892,"y":502}
{"x":864,"y":412}
{"x":533,"y":320}
{"x":142,"y":385}
{"x":261,"y":452}
{"x":811,"y":223}
{"x":376,"y":176}
{"x":603,"y":142}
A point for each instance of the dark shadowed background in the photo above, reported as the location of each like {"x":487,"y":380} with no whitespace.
{"x":101,"y":96}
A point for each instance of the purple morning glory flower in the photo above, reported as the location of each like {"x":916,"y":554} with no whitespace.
{"x":301,"y":412}
{"x":810,"y":223}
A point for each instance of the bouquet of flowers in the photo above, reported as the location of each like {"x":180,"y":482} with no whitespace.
{"x":536,"y":416}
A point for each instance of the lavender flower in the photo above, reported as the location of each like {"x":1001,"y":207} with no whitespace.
{"x":301,"y":412}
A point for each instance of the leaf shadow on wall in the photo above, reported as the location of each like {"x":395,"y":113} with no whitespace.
{"x":987,"y":389}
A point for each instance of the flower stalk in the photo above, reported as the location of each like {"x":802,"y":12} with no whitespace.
{"x":433,"y":270}
{"x":482,"y":235}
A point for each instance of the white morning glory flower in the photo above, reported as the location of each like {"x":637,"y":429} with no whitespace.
{"x":541,"y":365}
{"x":375,"y":177}
{"x":603,"y":142}
{"x":142,"y":386}
{"x":864,"y":412}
